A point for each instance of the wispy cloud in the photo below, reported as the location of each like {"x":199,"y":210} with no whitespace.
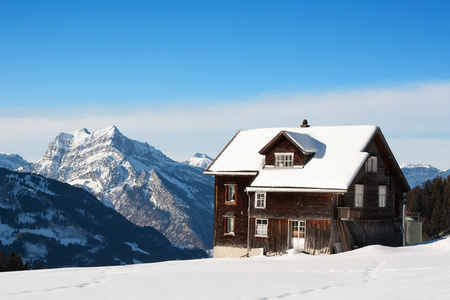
{"x":406,"y":114}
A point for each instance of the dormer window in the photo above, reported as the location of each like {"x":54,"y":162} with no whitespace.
{"x":284,"y":160}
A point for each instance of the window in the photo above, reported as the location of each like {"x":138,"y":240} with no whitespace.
{"x":371,"y":164}
{"x":284,"y":160}
{"x":229,"y":226}
{"x":260,"y":200}
{"x":382,"y":195}
{"x":298,"y":229}
{"x":230,"y":194}
{"x":359,"y":195}
{"x":261,"y":227}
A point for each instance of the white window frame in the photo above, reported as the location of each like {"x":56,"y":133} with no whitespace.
{"x":260,"y":199}
{"x":229,"y":188}
{"x":371,"y":165}
{"x":382,"y":194}
{"x":229,"y":225}
{"x":359,"y":195}
{"x":284,"y":160}
{"x":261,"y":227}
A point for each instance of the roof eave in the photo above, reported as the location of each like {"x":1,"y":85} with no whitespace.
{"x":295,"y":190}
{"x":231,"y":173}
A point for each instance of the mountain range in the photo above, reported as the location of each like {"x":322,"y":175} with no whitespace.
{"x":65,"y":226}
{"x":418,"y":174}
{"x":137,"y":180}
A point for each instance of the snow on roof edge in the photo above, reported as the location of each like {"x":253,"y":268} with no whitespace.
{"x":334,"y":143}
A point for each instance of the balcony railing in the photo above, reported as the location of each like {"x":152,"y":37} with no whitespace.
{"x":348,"y":213}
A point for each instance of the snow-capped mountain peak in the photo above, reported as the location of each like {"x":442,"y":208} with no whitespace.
{"x":139,"y":181}
{"x":199,"y":160}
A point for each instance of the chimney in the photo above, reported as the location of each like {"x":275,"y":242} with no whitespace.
{"x":305,"y":123}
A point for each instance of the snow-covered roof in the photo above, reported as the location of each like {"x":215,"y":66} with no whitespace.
{"x":338,"y":157}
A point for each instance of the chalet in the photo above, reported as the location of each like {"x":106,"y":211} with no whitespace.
{"x":318,"y":189}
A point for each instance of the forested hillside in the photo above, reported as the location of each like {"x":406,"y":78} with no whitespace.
{"x":432,"y":202}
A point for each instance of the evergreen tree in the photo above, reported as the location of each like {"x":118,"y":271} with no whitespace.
{"x":37,"y":265}
{"x":432,"y":202}
{"x":11,"y":262}
{"x":26,"y":266}
{"x":2,"y":261}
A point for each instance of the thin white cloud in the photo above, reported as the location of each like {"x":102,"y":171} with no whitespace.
{"x":405,"y":114}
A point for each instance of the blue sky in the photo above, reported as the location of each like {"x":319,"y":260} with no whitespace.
{"x":184,"y":76}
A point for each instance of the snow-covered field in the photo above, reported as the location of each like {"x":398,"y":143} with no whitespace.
{"x":374,"y":272}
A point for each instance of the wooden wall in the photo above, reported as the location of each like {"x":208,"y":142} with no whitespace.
{"x":295,"y":206}
{"x":277,"y":233}
{"x":317,"y":241}
{"x":385,"y":232}
{"x":318,"y":237}
{"x":371,"y":181}
{"x":239,"y":209}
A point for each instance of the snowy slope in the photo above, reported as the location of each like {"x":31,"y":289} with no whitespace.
{"x":14,"y":161}
{"x":199,"y":160}
{"x":139,"y":181}
{"x":417,"y":174}
{"x":61,"y":225}
{"x":373,"y":272}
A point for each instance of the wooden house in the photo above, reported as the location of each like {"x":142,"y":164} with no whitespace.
{"x":318,"y":189}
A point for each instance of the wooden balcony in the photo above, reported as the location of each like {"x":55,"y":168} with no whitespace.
{"x":348,"y":213}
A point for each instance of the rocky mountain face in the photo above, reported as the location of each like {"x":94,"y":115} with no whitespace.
{"x":137,"y":180}
{"x":417,"y":174}
{"x":15,"y":162}
{"x":199,"y":160}
{"x":65,"y":226}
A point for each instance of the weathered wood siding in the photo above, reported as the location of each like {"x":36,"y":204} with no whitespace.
{"x":317,"y":240}
{"x":371,"y":181}
{"x":294,"y":206}
{"x":318,"y":237}
{"x":316,"y":209}
{"x":385,"y":232}
{"x":277,"y":235}
{"x":238,"y":209}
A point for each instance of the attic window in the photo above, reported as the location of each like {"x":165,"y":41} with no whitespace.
{"x":359,"y":195}
{"x":382,"y":195}
{"x":371,"y":164}
{"x":284,"y":160}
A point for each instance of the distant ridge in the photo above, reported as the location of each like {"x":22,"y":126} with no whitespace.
{"x":417,"y":174}
{"x":65,"y":226}
{"x":14,"y":161}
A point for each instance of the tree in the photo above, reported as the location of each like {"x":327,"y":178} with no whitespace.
{"x":37,"y":265}
{"x":2,"y":261}
{"x":11,"y":262}
{"x":432,"y":202}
